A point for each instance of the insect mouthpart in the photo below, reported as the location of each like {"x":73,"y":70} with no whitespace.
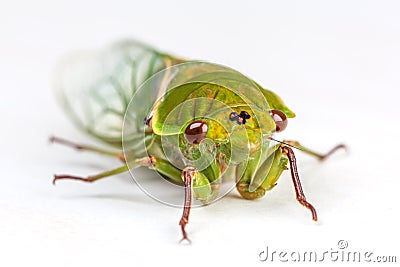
{"x":196,"y":132}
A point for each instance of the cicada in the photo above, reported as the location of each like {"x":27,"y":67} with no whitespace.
{"x":196,"y":124}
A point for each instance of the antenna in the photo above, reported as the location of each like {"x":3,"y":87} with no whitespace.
{"x":273,"y":139}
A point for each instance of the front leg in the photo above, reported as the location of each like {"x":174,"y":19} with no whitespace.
{"x":198,"y":183}
{"x":287,"y":151}
{"x":253,"y":184}
{"x":187,"y":175}
{"x":269,"y":173}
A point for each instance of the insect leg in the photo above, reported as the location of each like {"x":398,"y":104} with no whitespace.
{"x":215,"y":186}
{"x":243,"y":189}
{"x":296,"y":181}
{"x":81,"y":147}
{"x":203,"y":189}
{"x":206,"y":183}
{"x":248,"y":178}
{"x":313,"y":153}
{"x":92,"y":178}
{"x":265,"y":177}
{"x":146,"y":161}
{"x":165,"y":168}
{"x":187,"y":175}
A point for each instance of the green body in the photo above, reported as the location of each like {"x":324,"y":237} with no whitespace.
{"x":100,"y":103}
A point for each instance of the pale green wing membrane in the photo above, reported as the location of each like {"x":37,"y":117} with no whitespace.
{"x":95,"y":87}
{"x":275,"y":102}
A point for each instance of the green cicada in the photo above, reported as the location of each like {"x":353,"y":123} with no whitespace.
{"x":195,"y":123}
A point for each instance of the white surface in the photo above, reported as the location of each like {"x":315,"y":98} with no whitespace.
{"x":335,"y":63}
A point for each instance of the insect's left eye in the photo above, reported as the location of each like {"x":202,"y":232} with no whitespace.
{"x":279,"y":119}
{"x":196,"y":132}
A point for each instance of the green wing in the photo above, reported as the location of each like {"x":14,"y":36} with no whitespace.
{"x":95,"y":88}
{"x":275,"y":102}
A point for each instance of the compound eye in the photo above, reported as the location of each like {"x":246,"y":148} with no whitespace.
{"x":280,"y":119}
{"x":196,"y":132}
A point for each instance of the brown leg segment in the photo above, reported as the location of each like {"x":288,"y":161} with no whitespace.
{"x":188,"y":175}
{"x":296,"y":181}
{"x":333,"y":150}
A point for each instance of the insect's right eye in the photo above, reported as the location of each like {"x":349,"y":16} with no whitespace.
{"x":280,"y":119}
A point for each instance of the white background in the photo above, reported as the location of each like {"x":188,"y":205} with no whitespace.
{"x":335,"y":63}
